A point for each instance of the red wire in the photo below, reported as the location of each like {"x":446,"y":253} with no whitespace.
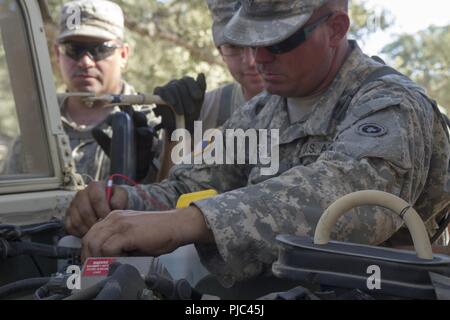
{"x":155,"y":203}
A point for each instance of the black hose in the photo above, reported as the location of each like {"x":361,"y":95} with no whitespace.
{"x":42,"y":227}
{"x":23,"y":285}
{"x":12,"y":232}
{"x":8,"y":231}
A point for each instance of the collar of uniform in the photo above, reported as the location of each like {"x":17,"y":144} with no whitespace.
{"x":128,"y":89}
{"x":319,"y":120}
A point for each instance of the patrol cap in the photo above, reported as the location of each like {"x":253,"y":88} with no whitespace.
{"x":222,"y":11}
{"x":91,"y":18}
{"x":261,"y":23}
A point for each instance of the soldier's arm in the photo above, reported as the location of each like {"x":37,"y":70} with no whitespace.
{"x":245,"y":222}
{"x":91,"y":204}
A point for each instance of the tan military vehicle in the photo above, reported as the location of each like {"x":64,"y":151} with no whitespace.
{"x":41,"y":182}
{"x":37,"y":188}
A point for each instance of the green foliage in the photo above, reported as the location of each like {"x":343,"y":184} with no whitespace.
{"x":168,"y":40}
{"x":173,"y":38}
{"x":425,"y":57}
{"x":8,"y":117}
{"x":366,"y":20}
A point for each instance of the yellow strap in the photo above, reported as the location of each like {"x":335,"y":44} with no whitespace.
{"x":185,"y":200}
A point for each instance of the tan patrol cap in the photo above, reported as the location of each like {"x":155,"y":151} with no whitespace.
{"x":261,"y":23}
{"x":91,"y":18}
{"x":222,"y":11}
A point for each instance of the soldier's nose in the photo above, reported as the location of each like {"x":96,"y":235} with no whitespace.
{"x":86,"y":61}
{"x":262,"y":55}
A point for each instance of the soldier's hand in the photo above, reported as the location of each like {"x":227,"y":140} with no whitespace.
{"x":90,"y":205}
{"x":148,"y":233}
{"x":186,"y":97}
{"x":128,"y":232}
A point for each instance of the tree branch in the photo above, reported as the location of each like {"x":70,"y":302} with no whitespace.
{"x":196,"y":52}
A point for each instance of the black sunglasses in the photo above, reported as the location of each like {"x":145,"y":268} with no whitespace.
{"x":97,"y":51}
{"x":297,"y":38}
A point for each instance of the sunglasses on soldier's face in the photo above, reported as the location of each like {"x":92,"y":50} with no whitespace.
{"x":96,"y":51}
{"x":297,"y":38}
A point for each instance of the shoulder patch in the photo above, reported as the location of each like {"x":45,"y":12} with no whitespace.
{"x":372,"y":130}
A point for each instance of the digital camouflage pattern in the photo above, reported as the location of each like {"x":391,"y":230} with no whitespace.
{"x":390,"y":139}
{"x":97,"y":19}
{"x":221,"y":11}
{"x":266,"y":22}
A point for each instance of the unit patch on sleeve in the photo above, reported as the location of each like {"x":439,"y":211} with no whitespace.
{"x":372,"y":130}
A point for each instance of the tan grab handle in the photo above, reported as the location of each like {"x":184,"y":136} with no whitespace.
{"x":129,"y":99}
{"x":138,"y":99}
{"x":413,"y":221}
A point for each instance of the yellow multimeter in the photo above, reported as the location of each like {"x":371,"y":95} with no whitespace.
{"x":185,"y":200}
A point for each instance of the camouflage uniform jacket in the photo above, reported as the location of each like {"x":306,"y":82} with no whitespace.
{"x":389,"y":139}
{"x":91,"y":162}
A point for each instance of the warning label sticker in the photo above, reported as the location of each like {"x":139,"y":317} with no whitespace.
{"x":96,"y":267}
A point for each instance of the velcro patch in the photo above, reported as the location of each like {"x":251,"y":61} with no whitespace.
{"x":371,"y":130}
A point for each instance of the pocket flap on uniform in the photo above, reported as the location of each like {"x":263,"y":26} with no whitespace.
{"x":375,"y":105}
{"x":358,"y":112}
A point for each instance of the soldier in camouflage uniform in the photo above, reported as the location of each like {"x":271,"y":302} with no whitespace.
{"x":220,"y":103}
{"x":91,"y":57}
{"x":339,"y":133}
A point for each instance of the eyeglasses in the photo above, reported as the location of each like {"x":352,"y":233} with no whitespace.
{"x":229,"y":50}
{"x":97,"y":51}
{"x":297,"y":38}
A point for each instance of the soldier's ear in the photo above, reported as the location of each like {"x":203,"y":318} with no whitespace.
{"x":124,"y":55}
{"x":339,"y":25}
{"x":56,"y":51}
